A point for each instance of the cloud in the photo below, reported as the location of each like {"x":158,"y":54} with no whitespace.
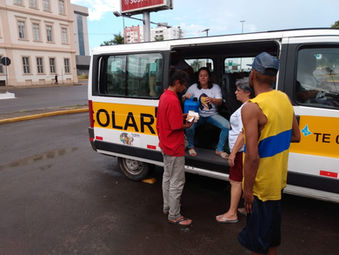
{"x":97,"y":8}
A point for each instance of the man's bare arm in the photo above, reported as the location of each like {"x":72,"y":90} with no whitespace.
{"x":250,"y":117}
{"x":295,"y":131}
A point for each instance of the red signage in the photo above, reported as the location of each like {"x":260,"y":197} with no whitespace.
{"x":129,"y":6}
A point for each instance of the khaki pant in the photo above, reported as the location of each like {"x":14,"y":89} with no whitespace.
{"x":173,"y":181}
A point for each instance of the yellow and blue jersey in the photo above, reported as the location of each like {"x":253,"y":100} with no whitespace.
{"x":273,"y":144}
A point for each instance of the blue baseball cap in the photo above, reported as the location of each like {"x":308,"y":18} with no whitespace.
{"x":266,"y":64}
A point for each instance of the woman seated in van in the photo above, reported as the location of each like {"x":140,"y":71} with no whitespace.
{"x":210,"y":97}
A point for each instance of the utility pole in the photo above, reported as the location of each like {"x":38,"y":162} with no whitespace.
{"x":242,"y":31}
{"x":147,"y":27}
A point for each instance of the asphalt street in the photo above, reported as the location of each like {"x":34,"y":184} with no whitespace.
{"x":58,"y":196}
{"x":35,"y":100}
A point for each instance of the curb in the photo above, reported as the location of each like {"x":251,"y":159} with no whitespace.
{"x":42,"y":115}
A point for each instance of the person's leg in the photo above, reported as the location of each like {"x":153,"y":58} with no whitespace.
{"x":176,"y":186}
{"x":222,"y":123}
{"x":190,"y":132}
{"x":168,"y":166}
{"x":232,"y":213}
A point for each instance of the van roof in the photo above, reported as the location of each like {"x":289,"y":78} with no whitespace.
{"x":169,"y":44}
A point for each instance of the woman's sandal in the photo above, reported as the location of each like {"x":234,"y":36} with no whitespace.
{"x":182,"y":221}
{"x":222,"y":154}
{"x":192,"y":152}
{"x":223,"y":219}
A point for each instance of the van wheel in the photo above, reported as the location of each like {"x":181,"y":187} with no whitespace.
{"x":133,"y":169}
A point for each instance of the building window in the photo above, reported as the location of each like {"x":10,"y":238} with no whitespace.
{"x":81,"y":40}
{"x":61,"y":7}
{"x":46,"y":5}
{"x":32,"y":4}
{"x":39,"y":65}
{"x":25,"y":63}
{"x":64,"y":37}
{"x":18,"y":2}
{"x":36,"y":32}
{"x":52,"y":65}
{"x":21,"y":29}
{"x":66,"y":62}
{"x":49,"y":33}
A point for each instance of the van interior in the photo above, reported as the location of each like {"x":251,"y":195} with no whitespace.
{"x":227,"y":62}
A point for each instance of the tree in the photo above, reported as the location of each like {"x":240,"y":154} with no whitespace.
{"x":159,"y":38}
{"x":336,"y":24}
{"x":118,"y":39}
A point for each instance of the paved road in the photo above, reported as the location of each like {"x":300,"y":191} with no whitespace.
{"x":35,"y":100}
{"x":57,"y":196}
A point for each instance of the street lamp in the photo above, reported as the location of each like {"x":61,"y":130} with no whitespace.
{"x":206,"y":30}
{"x":242,"y":25}
{"x":242,"y":31}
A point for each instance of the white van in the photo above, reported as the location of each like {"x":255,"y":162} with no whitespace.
{"x":126,"y":81}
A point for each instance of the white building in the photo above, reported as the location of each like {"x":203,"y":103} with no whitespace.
{"x":166,"y":33}
{"x":134,"y":34}
{"x":38,"y":37}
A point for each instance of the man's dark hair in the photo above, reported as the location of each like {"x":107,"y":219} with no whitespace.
{"x":264,"y":78}
{"x":178,"y":75}
{"x":210,"y":84}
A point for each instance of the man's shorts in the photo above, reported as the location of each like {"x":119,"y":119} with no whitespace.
{"x":236,"y":170}
{"x":262,"y":230}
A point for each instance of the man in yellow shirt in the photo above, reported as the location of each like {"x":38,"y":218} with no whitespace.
{"x":269,"y":126}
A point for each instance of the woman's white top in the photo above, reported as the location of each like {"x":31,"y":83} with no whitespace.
{"x":236,"y":127}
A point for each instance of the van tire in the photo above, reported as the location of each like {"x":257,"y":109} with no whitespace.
{"x":133,"y":169}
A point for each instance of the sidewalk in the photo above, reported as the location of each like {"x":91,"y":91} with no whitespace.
{"x":3,"y":89}
{"x":37,"y":114}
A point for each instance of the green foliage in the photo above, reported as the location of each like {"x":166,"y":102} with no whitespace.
{"x":196,"y":65}
{"x":159,"y":38}
{"x":118,"y":39}
{"x":336,"y":24}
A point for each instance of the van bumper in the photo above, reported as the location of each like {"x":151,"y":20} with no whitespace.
{"x":91,"y":138}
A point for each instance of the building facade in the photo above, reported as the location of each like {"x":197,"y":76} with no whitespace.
{"x":134,"y":34}
{"x":38,"y":37}
{"x":83,"y":58}
{"x":166,"y":33}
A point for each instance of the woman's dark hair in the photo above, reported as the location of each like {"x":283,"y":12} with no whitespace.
{"x":176,"y":74}
{"x":210,"y":84}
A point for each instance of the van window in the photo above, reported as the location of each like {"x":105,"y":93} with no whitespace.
{"x":317,"y":82}
{"x":137,"y":75}
{"x":196,"y":64}
{"x":234,"y":65}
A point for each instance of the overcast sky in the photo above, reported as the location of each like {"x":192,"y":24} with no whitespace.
{"x":220,"y":16}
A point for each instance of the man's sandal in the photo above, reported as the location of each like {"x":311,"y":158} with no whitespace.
{"x":192,"y":152}
{"x":182,"y":221}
